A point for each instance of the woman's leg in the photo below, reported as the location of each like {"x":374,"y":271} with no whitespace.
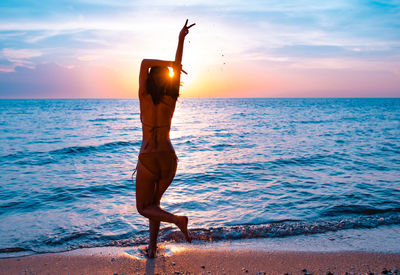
{"x":148,"y":205}
{"x":181,"y":221}
{"x":168,"y":167}
{"x":154,"y":227}
{"x":148,"y":196}
{"x":145,"y":197}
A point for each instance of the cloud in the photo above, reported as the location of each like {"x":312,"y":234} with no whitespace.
{"x":6,"y":66}
{"x":20,"y":53}
{"x":41,"y":36}
{"x":18,"y":57}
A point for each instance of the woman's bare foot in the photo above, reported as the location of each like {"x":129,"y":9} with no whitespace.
{"x":182,"y":224}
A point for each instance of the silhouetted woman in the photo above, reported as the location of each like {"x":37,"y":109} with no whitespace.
{"x":156,"y":169}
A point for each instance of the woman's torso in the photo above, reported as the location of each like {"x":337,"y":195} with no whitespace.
{"x":156,"y":123}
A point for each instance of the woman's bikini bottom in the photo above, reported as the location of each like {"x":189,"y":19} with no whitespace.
{"x":161,"y":164}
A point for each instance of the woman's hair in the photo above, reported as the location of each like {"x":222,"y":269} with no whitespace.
{"x":159,"y":83}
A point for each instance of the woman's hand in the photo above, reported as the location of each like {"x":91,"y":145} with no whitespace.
{"x":185,"y":30}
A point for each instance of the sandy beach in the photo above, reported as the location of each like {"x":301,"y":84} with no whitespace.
{"x":207,"y":261}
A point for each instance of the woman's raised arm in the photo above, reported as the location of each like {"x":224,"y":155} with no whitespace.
{"x":179,"y":50}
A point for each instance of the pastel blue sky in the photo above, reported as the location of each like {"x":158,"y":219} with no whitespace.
{"x":91,"y":48}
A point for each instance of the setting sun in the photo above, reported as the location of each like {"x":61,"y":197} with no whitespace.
{"x":171,"y":72}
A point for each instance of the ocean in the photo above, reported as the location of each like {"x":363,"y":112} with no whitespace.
{"x":248,"y":168}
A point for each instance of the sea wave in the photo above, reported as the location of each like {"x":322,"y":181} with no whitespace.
{"x":281,"y":228}
{"x":278,"y":229}
{"x":52,"y":156}
{"x":61,"y":194}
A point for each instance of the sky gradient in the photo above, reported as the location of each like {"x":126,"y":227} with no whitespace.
{"x":93,"y":48}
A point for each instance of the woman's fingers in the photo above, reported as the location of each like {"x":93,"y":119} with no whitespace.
{"x":185,"y":29}
{"x":186,"y":26}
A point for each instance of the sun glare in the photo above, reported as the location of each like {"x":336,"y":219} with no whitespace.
{"x":171,"y":72}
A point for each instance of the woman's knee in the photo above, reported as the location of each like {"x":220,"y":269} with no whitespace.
{"x":144,"y":208}
{"x":140,"y":208}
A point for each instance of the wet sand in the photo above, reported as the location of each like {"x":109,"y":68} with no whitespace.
{"x":206,"y":261}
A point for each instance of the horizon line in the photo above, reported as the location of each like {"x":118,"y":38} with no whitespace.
{"x":128,"y":98}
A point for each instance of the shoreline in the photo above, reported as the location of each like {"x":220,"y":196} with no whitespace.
{"x":382,"y":239}
{"x":205,"y":261}
{"x":355,"y":251}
